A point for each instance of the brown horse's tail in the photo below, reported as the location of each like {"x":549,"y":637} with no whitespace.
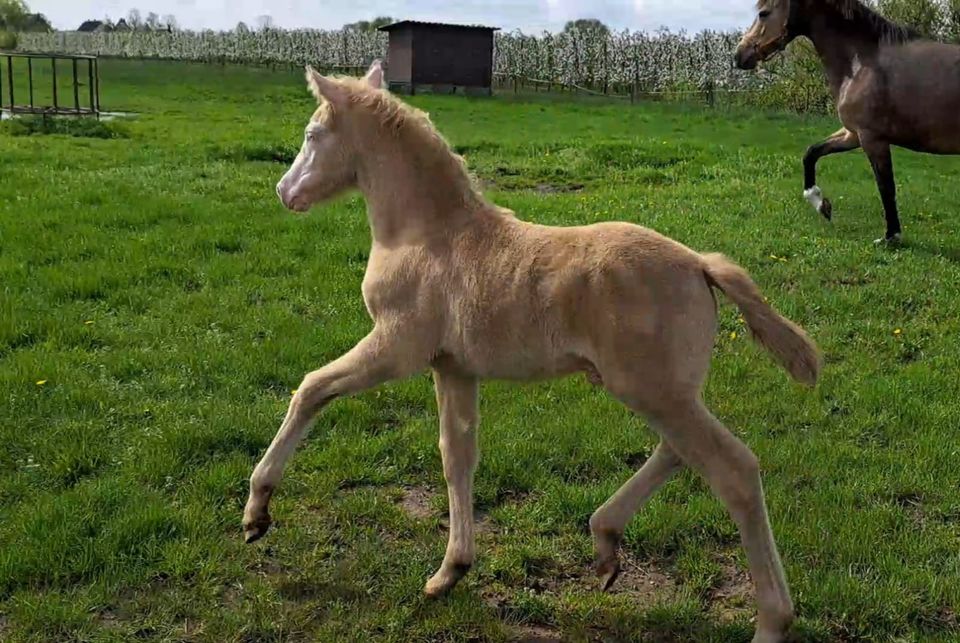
{"x":787,"y":342}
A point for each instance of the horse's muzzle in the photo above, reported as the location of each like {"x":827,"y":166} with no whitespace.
{"x":746,"y":58}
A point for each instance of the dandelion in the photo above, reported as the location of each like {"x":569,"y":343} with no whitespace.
{"x":88,"y":322}
{"x":41,"y":382}
{"x":733,"y":335}
{"x":898,"y":332}
{"x":294,"y":392}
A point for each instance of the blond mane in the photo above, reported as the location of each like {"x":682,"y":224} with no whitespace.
{"x":415,"y":129}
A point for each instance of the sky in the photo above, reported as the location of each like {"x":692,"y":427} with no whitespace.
{"x":530,"y":16}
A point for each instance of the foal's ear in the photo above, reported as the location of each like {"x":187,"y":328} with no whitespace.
{"x":324,"y":88}
{"x":374,"y":76}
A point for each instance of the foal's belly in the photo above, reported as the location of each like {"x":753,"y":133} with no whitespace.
{"x":511,"y":355}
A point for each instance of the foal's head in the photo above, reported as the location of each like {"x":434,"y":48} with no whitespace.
{"x":327,"y":164}
{"x":769,"y":34}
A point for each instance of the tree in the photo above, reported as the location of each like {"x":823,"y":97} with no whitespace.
{"x":370,"y":25}
{"x":12,"y":14}
{"x":153,"y":21}
{"x":264,"y":23}
{"x":36,"y":22}
{"x":926,"y":16}
{"x":134,"y":19}
{"x":242,"y":27}
{"x":169,"y":22}
{"x":588,"y":25}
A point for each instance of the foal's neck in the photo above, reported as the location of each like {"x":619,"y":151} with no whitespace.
{"x":414,"y":196}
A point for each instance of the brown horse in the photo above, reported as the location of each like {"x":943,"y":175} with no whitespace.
{"x":891,"y":87}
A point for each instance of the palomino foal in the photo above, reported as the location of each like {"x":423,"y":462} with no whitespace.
{"x":458,"y":285}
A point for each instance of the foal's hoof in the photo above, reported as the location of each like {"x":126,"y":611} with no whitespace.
{"x":826,"y":209}
{"x":608,"y":571}
{"x":445,"y":580}
{"x":893,"y":241}
{"x":256,"y":529}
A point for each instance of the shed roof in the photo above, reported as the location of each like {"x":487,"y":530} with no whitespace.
{"x":422,"y":23}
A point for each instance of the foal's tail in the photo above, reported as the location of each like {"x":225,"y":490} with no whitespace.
{"x":787,"y":342}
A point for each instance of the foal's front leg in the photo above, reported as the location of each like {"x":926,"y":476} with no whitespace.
{"x":377,"y":359}
{"x":457,"y":402}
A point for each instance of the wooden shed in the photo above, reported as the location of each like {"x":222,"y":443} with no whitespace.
{"x":444,"y":58}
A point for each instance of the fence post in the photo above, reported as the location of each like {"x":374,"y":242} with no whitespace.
{"x":76,"y":88}
{"x":10,"y":80}
{"x":53,"y":65}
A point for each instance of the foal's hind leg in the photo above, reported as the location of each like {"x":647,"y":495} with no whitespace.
{"x":733,"y":474}
{"x":842,"y":141}
{"x":609,"y":521}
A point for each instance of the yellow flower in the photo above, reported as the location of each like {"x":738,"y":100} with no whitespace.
{"x":733,"y":335}
{"x":898,"y":332}
{"x":41,"y":382}
{"x":88,"y":323}
{"x":294,"y":392}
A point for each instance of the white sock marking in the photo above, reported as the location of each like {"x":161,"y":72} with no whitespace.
{"x":814,"y":196}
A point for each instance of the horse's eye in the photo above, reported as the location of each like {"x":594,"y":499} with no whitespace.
{"x":764,"y":14}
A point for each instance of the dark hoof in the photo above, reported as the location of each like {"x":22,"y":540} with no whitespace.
{"x":608,"y":571}
{"x":826,"y":209}
{"x":254,"y":531}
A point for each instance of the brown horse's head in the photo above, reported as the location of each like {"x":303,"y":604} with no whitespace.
{"x":769,"y":34}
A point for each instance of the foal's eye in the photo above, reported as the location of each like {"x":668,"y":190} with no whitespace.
{"x":764,"y":14}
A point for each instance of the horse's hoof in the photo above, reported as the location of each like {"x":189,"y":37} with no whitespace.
{"x":256,"y":529}
{"x":445,"y":580}
{"x":608,"y":571}
{"x":893,"y":241}
{"x":826,"y":209}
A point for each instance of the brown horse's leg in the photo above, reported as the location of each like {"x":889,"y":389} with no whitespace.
{"x":882,"y":162}
{"x":842,"y":141}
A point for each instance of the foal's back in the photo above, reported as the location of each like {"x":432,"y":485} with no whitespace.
{"x":527,"y":301}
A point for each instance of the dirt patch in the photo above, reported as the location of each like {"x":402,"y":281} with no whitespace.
{"x":733,"y":596}
{"x":554,"y":188}
{"x":648,"y":580}
{"x":415,"y":502}
{"x":535,"y":634}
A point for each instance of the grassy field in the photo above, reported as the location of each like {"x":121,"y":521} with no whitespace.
{"x":157,"y":307}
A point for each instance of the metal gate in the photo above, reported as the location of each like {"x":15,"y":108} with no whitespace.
{"x":80,"y":67}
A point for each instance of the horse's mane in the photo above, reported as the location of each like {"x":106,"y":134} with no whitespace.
{"x":870,"y":20}
{"x":416,"y":129}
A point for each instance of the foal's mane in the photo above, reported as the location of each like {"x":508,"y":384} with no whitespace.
{"x":870,"y":21}
{"x":418,"y":134}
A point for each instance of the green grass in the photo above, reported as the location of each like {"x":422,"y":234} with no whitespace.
{"x":169,"y":304}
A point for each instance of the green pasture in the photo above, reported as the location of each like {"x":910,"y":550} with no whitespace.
{"x":158,"y":306}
